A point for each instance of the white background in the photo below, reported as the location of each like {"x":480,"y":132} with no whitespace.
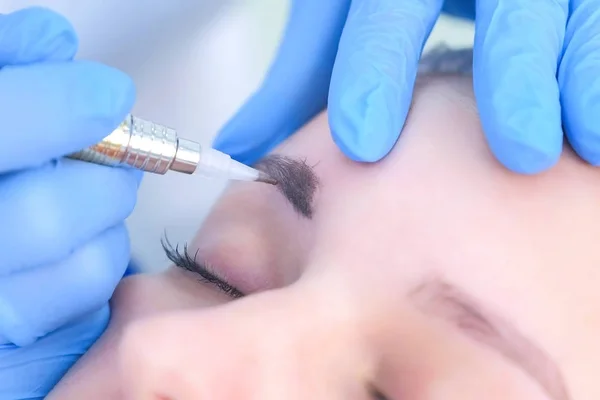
{"x":194,"y":62}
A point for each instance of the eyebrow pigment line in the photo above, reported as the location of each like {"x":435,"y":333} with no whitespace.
{"x":296,"y":181}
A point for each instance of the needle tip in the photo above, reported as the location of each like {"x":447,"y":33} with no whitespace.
{"x":265,"y":178}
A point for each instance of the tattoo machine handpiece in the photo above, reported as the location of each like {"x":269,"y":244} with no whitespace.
{"x":155,"y":148}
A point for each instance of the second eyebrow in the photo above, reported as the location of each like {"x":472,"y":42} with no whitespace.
{"x":444,"y":300}
{"x":297,"y":181}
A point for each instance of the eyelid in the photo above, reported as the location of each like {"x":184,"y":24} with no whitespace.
{"x":184,"y":260}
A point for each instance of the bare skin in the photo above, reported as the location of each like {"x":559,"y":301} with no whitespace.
{"x":433,"y":274}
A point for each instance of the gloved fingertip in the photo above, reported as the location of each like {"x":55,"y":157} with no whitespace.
{"x":248,"y":156}
{"x":124,"y":93}
{"x":527,"y":159}
{"x":243,"y":154}
{"x":585,"y":141}
{"x":366,"y":121}
{"x":240,"y":133}
{"x":592,"y":157}
{"x":522,"y":126}
{"x":226,"y":142}
{"x":580,"y":94}
{"x":109,"y":95}
{"x":36,"y":34}
{"x":249,"y":135}
{"x":238,"y":150}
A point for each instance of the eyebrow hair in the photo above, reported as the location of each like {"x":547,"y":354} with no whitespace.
{"x":296,"y":181}
{"x":446,"y":301}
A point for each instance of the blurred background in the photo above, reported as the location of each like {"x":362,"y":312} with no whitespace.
{"x":194,"y":63}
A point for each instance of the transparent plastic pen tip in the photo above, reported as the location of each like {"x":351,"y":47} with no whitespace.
{"x":213,"y":163}
{"x":266,"y":178}
{"x":242,"y":172}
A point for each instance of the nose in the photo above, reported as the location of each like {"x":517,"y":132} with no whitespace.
{"x":282,"y":344}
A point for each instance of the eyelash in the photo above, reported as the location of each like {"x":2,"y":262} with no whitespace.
{"x":184,"y":260}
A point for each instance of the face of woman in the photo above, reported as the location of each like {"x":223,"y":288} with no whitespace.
{"x":433,"y":274}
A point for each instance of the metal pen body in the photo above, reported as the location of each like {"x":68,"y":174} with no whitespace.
{"x":146,"y":146}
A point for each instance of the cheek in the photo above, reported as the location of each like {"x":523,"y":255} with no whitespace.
{"x":145,"y":295}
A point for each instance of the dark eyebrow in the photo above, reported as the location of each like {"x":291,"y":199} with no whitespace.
{"x":442,"y":299}
{"x":296,"y":181}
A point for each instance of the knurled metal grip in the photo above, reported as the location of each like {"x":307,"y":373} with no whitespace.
{"x":143,"y":145}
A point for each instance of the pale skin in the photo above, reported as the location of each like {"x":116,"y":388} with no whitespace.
{"x":369,"y":294}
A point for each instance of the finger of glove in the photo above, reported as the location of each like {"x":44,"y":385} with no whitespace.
{"x":38,"y":301}
{"x":49,"y":358}
{"x":50,"y":110}
{"x":374,"y":73}
{"x":579,"y":80}
{"x":296,"y":86}
{"x":49,"y":212}
{"x":36,"y":34}
{"x":517,"y":45}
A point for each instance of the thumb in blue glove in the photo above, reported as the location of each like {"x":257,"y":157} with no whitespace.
{"x":367,"y":49}
{"x":63,"y":243}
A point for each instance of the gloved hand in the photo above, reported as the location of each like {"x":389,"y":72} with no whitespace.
{"x":535,"y":71}
{"x":518,"y":47}
{"x":63,"y":244}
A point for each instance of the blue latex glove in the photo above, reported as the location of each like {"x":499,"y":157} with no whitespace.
{"x":63,"y":243}
{"x":536,"y":70}
{"x":518,"y":48}
{"x":535,"y":73}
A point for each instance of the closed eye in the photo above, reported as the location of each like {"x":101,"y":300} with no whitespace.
{"x":183,"y":259}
